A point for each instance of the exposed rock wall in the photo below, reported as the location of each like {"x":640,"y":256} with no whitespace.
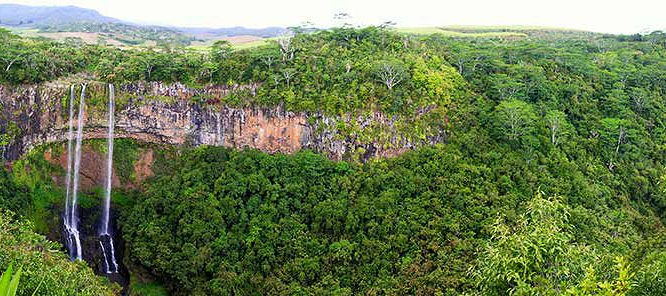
{"x":169,"y":114}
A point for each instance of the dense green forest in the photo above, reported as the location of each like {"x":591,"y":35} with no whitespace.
{"x":552,"y":180}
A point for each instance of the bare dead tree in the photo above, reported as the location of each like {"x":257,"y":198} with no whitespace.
{"x":621,"y":135}
{"x":554,"y":126}
{"x":461,"y":61}
{"x":515,"y":123}
{"x":556,"y":121}
{"x":286,"y":47}
{"x":9,"y":65}
{"x":611,"y":165}
{"x":276,"y":79}
{"x":10,"y":62}
{"x":268,"y":60}
{"x":640,"y":101}
{"x":389,"y":75}
{"x":508,"y":92}
{"x":406,"y":41}
{"x":149,"y":68}
{"x":602,"y":45}
{"x":288,"y":74}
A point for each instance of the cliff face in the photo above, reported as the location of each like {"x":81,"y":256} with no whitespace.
{"x":175,"y":114}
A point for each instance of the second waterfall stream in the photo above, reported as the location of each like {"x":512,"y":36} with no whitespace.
{"x":105,"y":236}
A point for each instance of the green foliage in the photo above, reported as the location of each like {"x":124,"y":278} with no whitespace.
{"x":536,"y":256}
{"x":146,"y":289}
{"x":650,"y":278}
{"x":620,"y":286}
{"x":333,"y":71}
{"x":13,"y":197}
{"x":436,"y":82}
{"x":254,"y":223}
{"x":33,"y":190}
{"x":650,"y":259}
{"x":44,"y":267}
{"x":514,"y":119}
{"x":9,"y":281}
{"x":126,"y":153}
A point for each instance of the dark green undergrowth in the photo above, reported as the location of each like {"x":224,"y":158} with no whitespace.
{"x":46,"y":270}
{"x":423,"y":223}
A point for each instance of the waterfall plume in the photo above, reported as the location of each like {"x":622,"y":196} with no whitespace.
{"x":105,"y":236}
{"x":70,"y":218}
{"x":68,"y":180}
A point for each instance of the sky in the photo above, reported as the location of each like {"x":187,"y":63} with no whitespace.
{"x":607,"y":16}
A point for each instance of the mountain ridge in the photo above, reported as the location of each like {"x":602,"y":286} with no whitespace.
{"x":61,"y":18}
{"x":22,"y":15}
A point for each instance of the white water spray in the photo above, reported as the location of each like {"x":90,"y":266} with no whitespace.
{"x":110,"y":264}
{"x":71,"y":220}
{"x":68,"y":181}
{"x":106,"y":262}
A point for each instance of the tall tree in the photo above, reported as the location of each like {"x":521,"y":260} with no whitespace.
{"x":557,"y":124}
{"x":390,"y":74}
{"x":514,"y":119}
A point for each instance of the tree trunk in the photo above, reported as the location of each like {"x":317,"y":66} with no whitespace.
{"x":10,"y":65}
{"x":552,"y":135}
{"x":620,"y":135}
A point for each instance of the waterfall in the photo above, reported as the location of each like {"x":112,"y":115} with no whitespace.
{"x":71,"y":219}
{"x":68,"y":180}
{"x":104,"y":234}
{"x":106,"y":261}
{"x":109,"y":164}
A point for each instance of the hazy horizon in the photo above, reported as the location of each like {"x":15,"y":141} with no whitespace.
{"x":597,"y":16}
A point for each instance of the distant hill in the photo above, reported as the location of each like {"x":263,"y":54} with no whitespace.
{"x":90,"y":26}
{"x":23,"y":15}
{"x":231,"y":32}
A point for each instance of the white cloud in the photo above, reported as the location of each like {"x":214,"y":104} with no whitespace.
{"x":595,"y":15}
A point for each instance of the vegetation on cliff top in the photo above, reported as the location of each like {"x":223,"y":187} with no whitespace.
{"x":330,"y":71}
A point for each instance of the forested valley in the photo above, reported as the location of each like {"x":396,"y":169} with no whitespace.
{"x":551,"y":179}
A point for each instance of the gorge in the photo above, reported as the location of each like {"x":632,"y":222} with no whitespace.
{"x":349,"y":161}
{"x":163,"y":114}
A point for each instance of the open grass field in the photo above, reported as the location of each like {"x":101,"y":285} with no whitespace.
{"x":237,"y":42}
{"x":515,"y":28}
{"x":86,"y":37}
{"x":454,"y":33}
